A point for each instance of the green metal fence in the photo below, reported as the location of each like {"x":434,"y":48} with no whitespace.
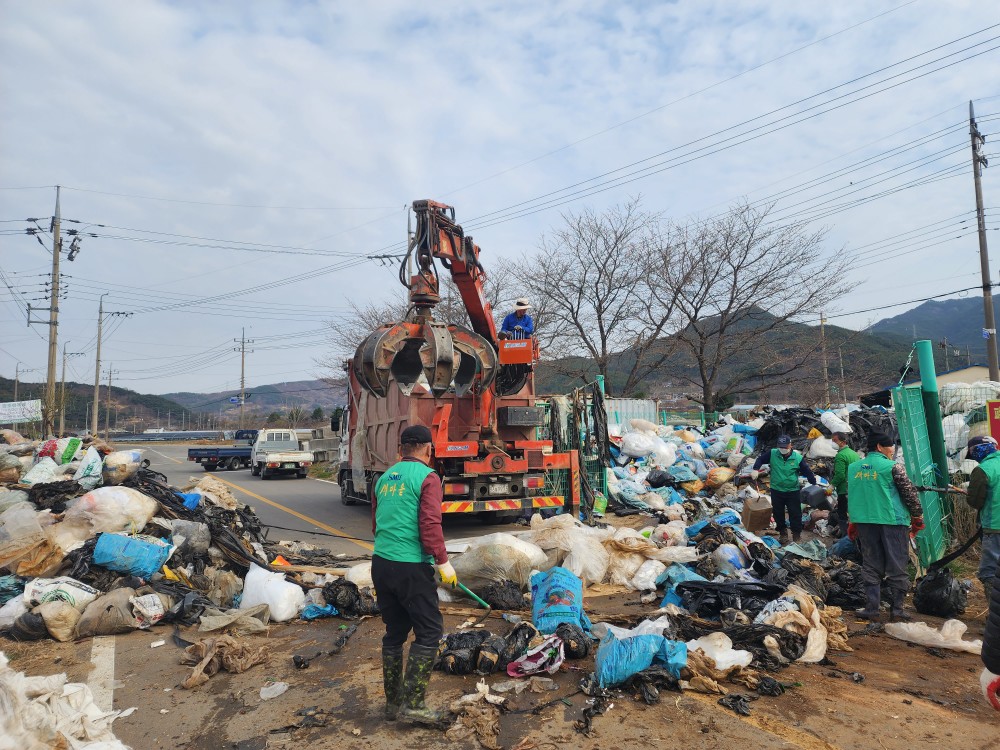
{"x":694,"y":417}
{"x":908,"y":402}
{"x":590,"y":463}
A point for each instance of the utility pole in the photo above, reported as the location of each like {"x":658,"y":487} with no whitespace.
{"x":826,"y":373}
{"x":97,"y":367}
{"x":62,"y":392}
{"x":107,"y":408}
{"x":50,"y":381}
{"x":17,"y":377}
{"x":843,"y":383}
{"x":242,"y":349}
{"x":990,"y":325}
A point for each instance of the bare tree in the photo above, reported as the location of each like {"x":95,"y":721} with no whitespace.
{"x":601,"y":304}
{"x":295,"y":415}
{"x":744,"y":284}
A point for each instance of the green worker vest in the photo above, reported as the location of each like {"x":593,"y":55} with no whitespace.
{"x":845,"y":456}
{"x":397,"y":510}
{"x":874,"y":497}
{"x":989,"y":516}
{"x":785,"y":471}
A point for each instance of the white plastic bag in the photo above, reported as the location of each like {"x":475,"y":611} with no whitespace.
{"x":643,"y":425}
{"x":42,"y":472}
{"x":823,"y":448}
{"x":664,"y":454}
{"x":949,"y":636}
{"x":834,"y":423}
{"x":638,"y":444}
{"x":88,"y":473}
{"x":719,"y":647}
{"x":120,"y":465}
{"x":112,"y":509}
{"x":588,"y":560}
{"x":284,"y":599}
{"x":645,"y":577}
{"x":533,"y":552}
{"x":361,"y":575}
{"x":10,"y":611}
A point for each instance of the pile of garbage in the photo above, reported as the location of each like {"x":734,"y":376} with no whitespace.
{"x":92,"y":542}
{"x":964,"y":416}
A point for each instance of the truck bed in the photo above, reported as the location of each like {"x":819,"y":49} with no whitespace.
{"x":231,"y":457}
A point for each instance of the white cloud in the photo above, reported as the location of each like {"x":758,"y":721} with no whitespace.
{"x":369,"y":107}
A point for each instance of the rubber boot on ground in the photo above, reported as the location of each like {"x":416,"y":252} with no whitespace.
{"x":897,"y":613}
{"x":873,"y":594}
{"x":418,"y":675}
{"x":392,"y":680}
{"x":796,"y":536}
{"x":783,"y":536}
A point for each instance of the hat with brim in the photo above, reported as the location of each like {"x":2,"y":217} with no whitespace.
{"x":522,"y":304}
{"x":415,"y":435}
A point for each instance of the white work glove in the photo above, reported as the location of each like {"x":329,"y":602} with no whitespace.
{"x":754,"y":474}
{"x":447,"y":574}
{"x":991,"y":688}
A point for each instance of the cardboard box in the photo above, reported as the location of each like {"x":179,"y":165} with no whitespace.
{"x":756,"y":514}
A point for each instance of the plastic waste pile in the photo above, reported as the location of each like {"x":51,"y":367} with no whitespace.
{"x":92,"y":542}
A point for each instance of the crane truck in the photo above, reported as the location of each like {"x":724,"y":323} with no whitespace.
{"x":473,"y":390}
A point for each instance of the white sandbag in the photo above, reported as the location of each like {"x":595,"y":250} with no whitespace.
{"x":60,"y":619}
{"x":62,"y":589}
{"x":949,"y":636}
{"x":88,"y":473}
{"x":643,"y":425}
{"x":261,"y":586}
{"x":361,"y":575}
{"x":638,"y":445}
{"x":42,"y":472}
{"x":533,"y":552}
{"x":112,"y":509}
{"x":834,"y":423}
{"x":719,"y":647}
{"x":120,"y":465}
{"x":645,"y":577}
{"x":692,"y":450}
{"x":653,"y":500}
{"x":822,"y":448}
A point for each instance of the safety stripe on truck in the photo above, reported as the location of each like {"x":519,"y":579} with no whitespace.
{"x":479,"y":506}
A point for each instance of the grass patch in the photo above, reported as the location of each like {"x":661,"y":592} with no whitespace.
{"x":323,"y":470}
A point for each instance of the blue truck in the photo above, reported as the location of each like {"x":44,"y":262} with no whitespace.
{"x":229,"y":457}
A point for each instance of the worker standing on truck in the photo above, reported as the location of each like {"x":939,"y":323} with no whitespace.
{"x":885,"y":510}
{"x":518,"y":324}
{"x":984,"y":496}
{"x":785,"y":466}
{"x":406,"y":521}
{"x":844,"y":458}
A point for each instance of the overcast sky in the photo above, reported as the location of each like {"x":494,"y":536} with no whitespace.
{"x":244,"y":157}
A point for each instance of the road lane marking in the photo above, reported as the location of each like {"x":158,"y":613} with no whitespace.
{"x":303,"y":516}
{"x":169,"y":458}
{"x":328,"y":481}
{"x":102,"y":677}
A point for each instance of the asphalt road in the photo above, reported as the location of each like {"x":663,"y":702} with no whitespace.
{"x":307,"y":510}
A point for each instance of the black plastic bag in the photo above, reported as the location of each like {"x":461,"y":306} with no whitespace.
{"x":458,"y":652}
{"x":349,"y":600}
{"x":28,"y":627}
{"x":488,"y":656}
{"x":576,"y":644}
{"x":503,"y":595}
{"x":707,"y":599}
{"x":517,"y":642}
{"x":939,"y":594}
{"x":659,"y":478}
{"x":650,"y":681}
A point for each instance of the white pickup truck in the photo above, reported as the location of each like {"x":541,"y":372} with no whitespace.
{"x":277,"y":452}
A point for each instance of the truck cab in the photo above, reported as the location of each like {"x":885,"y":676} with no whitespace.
{"x":276,"y":451}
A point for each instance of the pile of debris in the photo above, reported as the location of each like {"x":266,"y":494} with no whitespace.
{"x":95,"y":543}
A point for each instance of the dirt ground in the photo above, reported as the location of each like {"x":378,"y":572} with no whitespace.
{"x":910,"y":697}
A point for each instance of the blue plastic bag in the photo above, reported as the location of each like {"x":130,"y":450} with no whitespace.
{"x":557,"y":597}
{"x":682,"y":473}
{"x":128,"y":554}
{"x":678,"y":573}
{"x":617,"y":660}
{"x":314,"y":611}
{"x":843,"y":547}
{"x":191,"y":499}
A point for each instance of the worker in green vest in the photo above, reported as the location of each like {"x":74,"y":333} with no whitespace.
{"x":786,"y":466}
{"x":844,"y":458}
{"x":885,"y":509}
{"x":406,"y":521}
{"x":984,"y":496}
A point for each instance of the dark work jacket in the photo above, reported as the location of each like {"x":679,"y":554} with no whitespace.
{"x":991,"y":639}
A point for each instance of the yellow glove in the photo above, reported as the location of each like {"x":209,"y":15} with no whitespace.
{"x":447,"y":574}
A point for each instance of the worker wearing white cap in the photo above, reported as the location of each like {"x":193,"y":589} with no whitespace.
{"x":518,"y":324}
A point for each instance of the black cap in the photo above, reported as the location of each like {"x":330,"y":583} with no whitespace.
{"x":415,"y":435}
{"x":880,"y":440}
{"x":784,"y":441}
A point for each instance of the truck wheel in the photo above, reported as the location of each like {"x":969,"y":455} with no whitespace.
{"x":234,"y":464}
{"x":255,"y":470}
{"x":347,"y":492}
{"x":211,"y":468}
{"x":303,"y":474}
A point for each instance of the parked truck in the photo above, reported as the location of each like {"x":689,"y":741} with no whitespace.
{"x":472,"y":389}
{"x":233,"y":457}
{"x":276,"y":451}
